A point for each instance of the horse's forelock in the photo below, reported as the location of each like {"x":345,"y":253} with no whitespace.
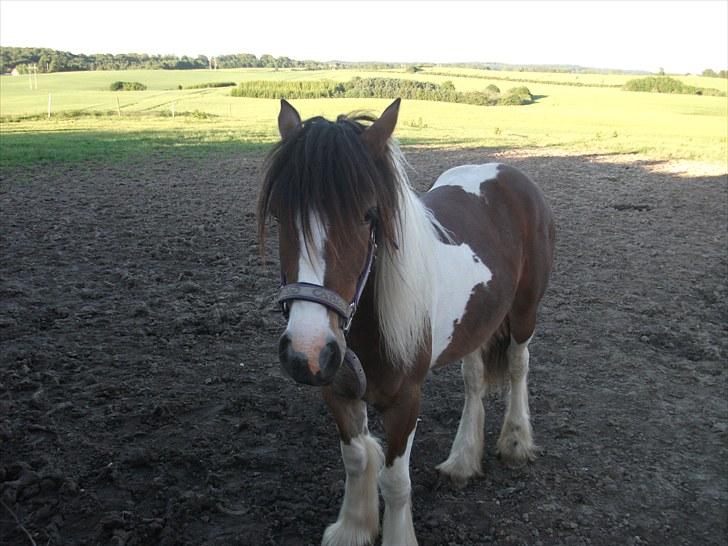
{"x":324,"y":169}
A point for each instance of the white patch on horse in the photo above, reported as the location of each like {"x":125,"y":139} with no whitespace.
{"x":466,"y":454}
{"x":515,"y":442}
{"x":468,"y":177}
{"x":358,"y":521}
{"x":459,"y":272}
{"x":308,"y":322}
{"x":394,"y":482}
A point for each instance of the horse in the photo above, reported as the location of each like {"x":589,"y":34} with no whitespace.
{"x":379,"y":285}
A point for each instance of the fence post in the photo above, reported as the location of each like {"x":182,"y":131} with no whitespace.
{"x":118,"y":108}
{"x":49,"y":105}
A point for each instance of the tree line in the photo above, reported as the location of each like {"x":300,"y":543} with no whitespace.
{"x":383,"y":88}
{"x":710,"y":73}
{"x":51,"y":60}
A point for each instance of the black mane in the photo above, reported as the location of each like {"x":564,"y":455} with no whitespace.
{"x":325,"y":168}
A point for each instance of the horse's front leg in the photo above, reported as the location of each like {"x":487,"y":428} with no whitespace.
{"x":358,"y":521}
{"x":400,"y":421}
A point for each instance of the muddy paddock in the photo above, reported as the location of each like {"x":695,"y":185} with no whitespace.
{"x":141,"y":400}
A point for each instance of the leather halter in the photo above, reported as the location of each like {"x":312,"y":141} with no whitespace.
{"x":351,"y":384}
{"x":328,"y":298}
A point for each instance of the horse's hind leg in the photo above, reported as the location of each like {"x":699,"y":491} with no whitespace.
{"x":358,"y":521}
{"x":466,"y":453}
{"x":515,"y":444}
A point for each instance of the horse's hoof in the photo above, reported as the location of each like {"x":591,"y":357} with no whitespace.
{"x":516,"y":454}
{"x":454,"y":477}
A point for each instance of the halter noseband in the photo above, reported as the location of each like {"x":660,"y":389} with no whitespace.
{"x":328,"y":298}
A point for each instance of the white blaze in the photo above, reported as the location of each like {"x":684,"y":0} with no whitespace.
{"x":308,"y":322}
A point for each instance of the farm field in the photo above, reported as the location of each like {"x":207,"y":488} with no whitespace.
{"x":575,"y":119}
{"x":142,"y":402}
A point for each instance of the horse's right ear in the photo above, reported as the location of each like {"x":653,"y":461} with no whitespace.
{"x":288,"y":120}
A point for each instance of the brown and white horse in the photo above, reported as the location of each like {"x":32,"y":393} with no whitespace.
{"x":458,"y":275}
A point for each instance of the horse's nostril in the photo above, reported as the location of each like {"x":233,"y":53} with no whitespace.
{"x":283,"y":345}
{"x":330,"y":360}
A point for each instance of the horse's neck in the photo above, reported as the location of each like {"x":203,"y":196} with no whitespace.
{"x":404,"y":282}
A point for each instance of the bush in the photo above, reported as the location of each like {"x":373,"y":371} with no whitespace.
{"x":666,"y":84}
{"x":493,"y":89}
{"x":209,"y":84}
{"x":517,"y":96}
{"x":127,"y":86}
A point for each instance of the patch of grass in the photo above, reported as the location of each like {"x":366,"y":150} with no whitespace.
{"x":85,"y":139}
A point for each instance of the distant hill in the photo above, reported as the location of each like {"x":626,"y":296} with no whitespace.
{"x":568,"y":68}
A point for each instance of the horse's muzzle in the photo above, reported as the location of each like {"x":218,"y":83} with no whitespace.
{"x":298,"y":366}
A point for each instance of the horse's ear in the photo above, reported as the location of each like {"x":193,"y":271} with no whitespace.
{"x":288,"y":120}
{"x":376,"y":136}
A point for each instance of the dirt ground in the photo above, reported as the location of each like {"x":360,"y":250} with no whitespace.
{"x":141,"y":400}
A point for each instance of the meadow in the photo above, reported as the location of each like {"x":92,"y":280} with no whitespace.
{"x":577,"y":113}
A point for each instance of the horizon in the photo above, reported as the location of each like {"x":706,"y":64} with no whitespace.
{"x":683,"y":37}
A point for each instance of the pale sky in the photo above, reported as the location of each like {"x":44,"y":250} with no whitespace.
{"x":679,"y":36}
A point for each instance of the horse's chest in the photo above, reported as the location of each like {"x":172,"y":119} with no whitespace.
{"x":460,"y":273}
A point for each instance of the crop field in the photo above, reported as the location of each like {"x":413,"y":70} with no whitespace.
{"x":579,"y":113}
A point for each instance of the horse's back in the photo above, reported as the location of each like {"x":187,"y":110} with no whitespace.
{"x":499,"y":256}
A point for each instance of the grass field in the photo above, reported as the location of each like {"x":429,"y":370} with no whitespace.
{"x":595,"y":116}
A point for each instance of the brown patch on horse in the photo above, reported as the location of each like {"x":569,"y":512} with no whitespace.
{"x":473,"y":327}
{"x":510,"y":229}
{"x":349,"y":414}
{"x":495,"y":355}
{"x":345,"y":253}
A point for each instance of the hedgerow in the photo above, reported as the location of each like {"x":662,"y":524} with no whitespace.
{"x":383,"y":88}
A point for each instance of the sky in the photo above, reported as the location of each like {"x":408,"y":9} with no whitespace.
{"x":678,"y":36}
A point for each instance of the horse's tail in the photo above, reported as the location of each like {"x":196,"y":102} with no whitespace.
{"x":495,"y":356}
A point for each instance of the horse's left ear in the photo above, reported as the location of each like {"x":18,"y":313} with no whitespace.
{"x":376,"y":136}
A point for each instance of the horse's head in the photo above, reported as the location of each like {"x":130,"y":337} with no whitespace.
{"x":330,"y":187}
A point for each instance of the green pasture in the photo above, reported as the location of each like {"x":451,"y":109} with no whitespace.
{"x":85,"y":122}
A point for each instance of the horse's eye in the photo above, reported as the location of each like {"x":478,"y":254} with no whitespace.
{"x":370,"y":215}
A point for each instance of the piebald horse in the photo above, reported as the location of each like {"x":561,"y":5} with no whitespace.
{"x":380,"y":285}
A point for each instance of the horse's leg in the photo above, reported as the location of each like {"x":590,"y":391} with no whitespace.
{"x":358,"y":521}
{"x":400,"y":421}
{"x":466,"y":453}
{"x":515,"y":444}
